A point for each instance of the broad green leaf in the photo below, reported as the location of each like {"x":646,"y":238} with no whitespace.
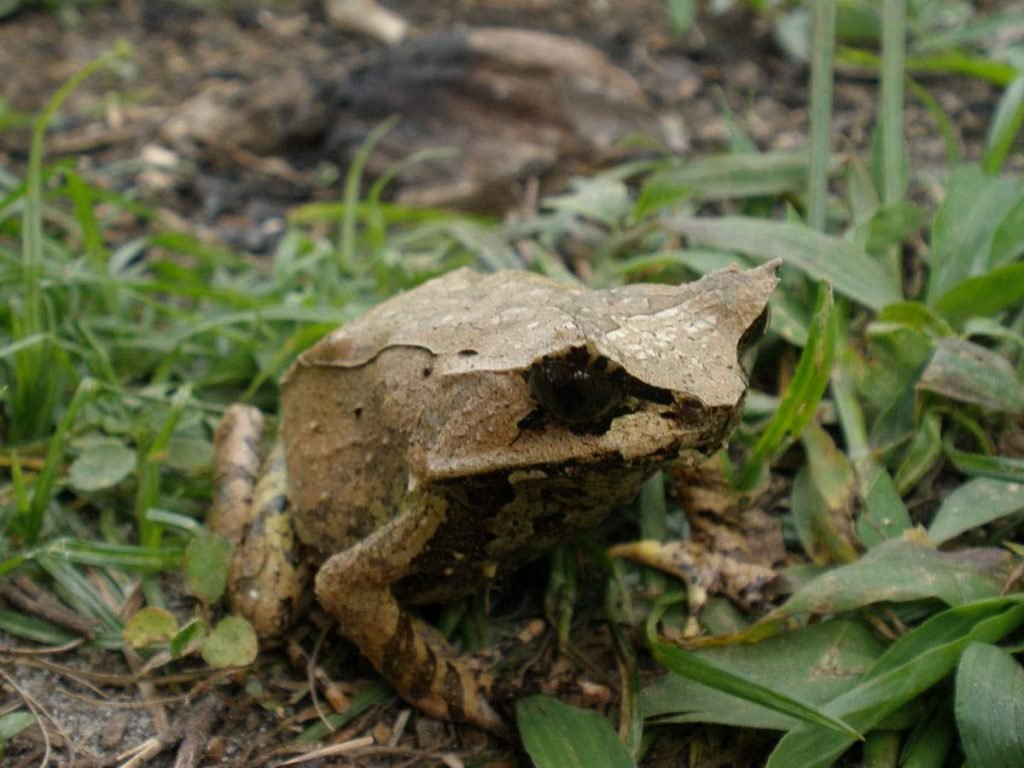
{"x":102,"y":464}
{"x":688,"y":664}
{"x":898,"y":353}
{"x":602,"y":199}
{"x":848,"y":268}
{"x":207,"y":559}
{"x":556,"y":735}
{"x":824,"y":495}
{"x":964,"y":227}
{"x":654,"y":196}
{"x":13,"y":723}
{"x":968,"y":372}
{"x":990,"y":707}
{"x":885,"y":516}
{"x":812,"y":664}
{"x":890,"y":225}
{"x":189,"y":454}
{"x":983,"y":295}
{"x":232,"y":643}
{"x":976,"y":502}
{"x":911,"y":665}
{"x":899,"y":570}
{"x":915,"y":315}
{"x":149,"y":626}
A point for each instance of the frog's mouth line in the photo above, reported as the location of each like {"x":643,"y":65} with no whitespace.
{"x":665,"y":432}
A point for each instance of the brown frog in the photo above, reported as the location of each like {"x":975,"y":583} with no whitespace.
{"x":459,"y":430}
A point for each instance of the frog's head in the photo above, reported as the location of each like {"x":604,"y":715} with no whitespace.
{"x":639,"y":374}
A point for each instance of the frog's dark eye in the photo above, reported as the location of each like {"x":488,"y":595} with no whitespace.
{"x":573,"y":392}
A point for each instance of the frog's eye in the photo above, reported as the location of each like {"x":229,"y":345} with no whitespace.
{"x":575,"y":393}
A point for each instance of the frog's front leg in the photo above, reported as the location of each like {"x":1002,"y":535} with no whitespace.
{"x":267,"y":579}
{"x":355,"y":586}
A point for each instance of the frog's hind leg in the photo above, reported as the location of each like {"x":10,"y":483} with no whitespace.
{"x":268,"y":579}
{"x":355,"y":586}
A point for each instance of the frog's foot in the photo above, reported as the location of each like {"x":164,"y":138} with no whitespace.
{"x":355,"y":586}
{"x":267,"y":580}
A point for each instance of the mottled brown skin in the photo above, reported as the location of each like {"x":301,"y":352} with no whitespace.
{"x":418,"y":457}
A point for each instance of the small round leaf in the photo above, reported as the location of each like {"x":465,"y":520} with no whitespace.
{"x":206,"y":564}
{"x":150,"y":626}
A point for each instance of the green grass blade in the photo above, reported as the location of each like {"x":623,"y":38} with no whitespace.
{"x":822,"y":52}
{"x":950,"y":137}
{"x":948,"y":62}
{"x":981,"y":465}
{"x":81,"y":594}
{"x":894,"y":31}
{"x":806,"y":388}
{"x":32,"y":214}
{"x":347,"y":236}
{"x":107,"y":555}
{"x":31,"y":628}
{"x":30,"y":524}
{"x":150,"y":462}
{"x":359,"y":703}
{"x":1005,"y":127}
{"x":929,"y":743}
{"x":981,"y":29}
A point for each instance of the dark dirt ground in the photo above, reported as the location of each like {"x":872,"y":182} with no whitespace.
{"x":280,"y":66}
{"x":232,"y":185}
